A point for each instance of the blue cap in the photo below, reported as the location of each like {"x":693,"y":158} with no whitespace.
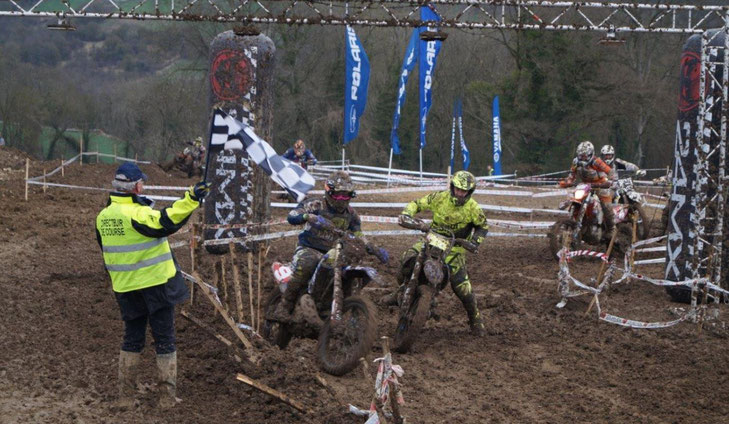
{"x":129,"y":172}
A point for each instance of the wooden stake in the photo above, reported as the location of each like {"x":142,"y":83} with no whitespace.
{"x":44,"y":180}
{"x":225,"y":282}
{"x":27,"y":172}
{"x":602,"y":266}
{"x":236,"y":283}
{"x":258,"y":292}
{"x":114,"y":152}
{"x":250,"y":288}
{"x":273,"y":392}
{"x":192,"y":253}
{"x":633,"y":238}
{"x":218,"y":307}
{"x":371,"y":383}
{"x":63,"y":174}
{"x":81,"y":151}
{"x":395,"y":390}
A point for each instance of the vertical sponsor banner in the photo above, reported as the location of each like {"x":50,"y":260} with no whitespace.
{"x":241,"y":83}
{"x":464,"y":148}
{"x":497,"y":136}
{"x":429,"y":50}
{"x":453,"y":134}
{"x":408,"y":63}
{"x":684,"y":216}
{"x":357,"y":79}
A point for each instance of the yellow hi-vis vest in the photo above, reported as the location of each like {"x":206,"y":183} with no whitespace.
{"x":136,"y":261}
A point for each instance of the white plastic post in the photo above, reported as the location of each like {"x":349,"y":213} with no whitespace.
{"x":389,"y":169}
{"x":342,"y":158}
{"x":27,"y":171}
{"x":421,"y":166}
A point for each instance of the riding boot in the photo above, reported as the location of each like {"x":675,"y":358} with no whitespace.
{"x":609,"y":215}
{"x":167,"y":381}
{"x":286,"y":306}
{"x":128,"y":365}
{"x":474,"y":316}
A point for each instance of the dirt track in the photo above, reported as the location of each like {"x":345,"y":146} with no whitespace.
{"x":61,"y":334}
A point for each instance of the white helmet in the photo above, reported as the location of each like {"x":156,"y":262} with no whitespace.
{"x":585,"y":151}
{"x":607,"y":153}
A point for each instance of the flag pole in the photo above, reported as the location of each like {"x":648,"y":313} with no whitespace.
{"x":421,"y":165}
{"x":210,"y":140}
{"x":389,"y":169}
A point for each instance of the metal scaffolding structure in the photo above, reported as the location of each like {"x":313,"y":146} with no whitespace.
{"x":680,"y":17}
{"x":711,"y":139}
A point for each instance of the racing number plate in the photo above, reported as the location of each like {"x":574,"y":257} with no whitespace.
{"x":436,"y":240}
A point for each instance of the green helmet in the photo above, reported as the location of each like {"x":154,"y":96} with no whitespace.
{"x":463,"y":180}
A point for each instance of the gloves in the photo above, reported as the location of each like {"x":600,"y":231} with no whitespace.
{"x":379,"y":252}
{"x":199,"y":190}
{"x":640,"y":173}
{"x":318,"y":222}
{"x":469,"y":245}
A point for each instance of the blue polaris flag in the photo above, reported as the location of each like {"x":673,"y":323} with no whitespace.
{"x":497,"y":137}
{"x":428,"y":53}
{"x":408,"y":63}
{"x":355,"y":87}
{"x":464,"y":148}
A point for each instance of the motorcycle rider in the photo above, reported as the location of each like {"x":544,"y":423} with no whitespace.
{"x":190,"y":159}
{"x":319,"y":214}
{"x":593,"y":170}
{"x":453,"y":210}
{"x":607,"y":154}
{"x":300,"y":154}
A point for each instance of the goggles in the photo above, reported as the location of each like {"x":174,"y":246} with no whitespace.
{"x":341,"y":195}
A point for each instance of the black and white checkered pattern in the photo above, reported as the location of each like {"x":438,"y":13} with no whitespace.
{"x":228,"y":133}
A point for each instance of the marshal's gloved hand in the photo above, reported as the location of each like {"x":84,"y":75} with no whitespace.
{"x":379,"y":252}
{"x":199,"y":190}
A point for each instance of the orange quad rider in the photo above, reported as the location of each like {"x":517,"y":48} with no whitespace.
{"x":593,"y":170}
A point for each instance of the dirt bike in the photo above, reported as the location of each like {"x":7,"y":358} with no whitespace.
{"x":429,"y":276}
{"x":332,"y":309}
{"x":587,"y":222}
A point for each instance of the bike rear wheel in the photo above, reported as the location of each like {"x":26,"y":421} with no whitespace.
{"x":410,"y":325}
{"x":340,"y":345}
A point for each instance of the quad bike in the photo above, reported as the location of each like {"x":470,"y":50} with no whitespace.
{"x":430,"y":274}
{"x":587,"y":222}
{"x":332,"y":309}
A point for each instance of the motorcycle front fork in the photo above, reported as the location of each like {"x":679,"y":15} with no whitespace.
{"x":412,"y":284}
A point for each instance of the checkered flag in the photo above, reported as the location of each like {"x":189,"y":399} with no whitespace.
{"x":228,"y":133}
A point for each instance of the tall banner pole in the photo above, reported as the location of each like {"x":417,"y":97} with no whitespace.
{"x":429,"y":49}
{"x":497,"y":137}
{"x":421,"y":165}
{"x":389,"y":169}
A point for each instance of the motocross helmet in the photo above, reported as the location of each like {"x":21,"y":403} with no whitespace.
{"x":299,"y":147}
{"x":607,"y":154}
{"x":585,"y":153}
{"x":198,"y":142}
{"x":339,"y":190}
{"x":463,"y":180}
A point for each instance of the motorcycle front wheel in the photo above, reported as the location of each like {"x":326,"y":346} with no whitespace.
{"x":557,"y":234}
{"x":341,"y":344}
{"x":410,"y":325}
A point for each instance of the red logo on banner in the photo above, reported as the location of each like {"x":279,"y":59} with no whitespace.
{"x":690,"y":81}
{"x":230,"y":75}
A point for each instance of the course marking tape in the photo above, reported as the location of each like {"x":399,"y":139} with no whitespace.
{"x":650,"y":261}
{"x":640,"y":324}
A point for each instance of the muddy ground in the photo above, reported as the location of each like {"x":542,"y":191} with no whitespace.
{"x":60,"y":336}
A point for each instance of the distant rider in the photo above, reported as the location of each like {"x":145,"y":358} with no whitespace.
{"x":300,"y":154}
{"x":593,"y":170}
{"x":453,"y":210}
{"x":607,"y":154}
{"x":319,"y":214}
